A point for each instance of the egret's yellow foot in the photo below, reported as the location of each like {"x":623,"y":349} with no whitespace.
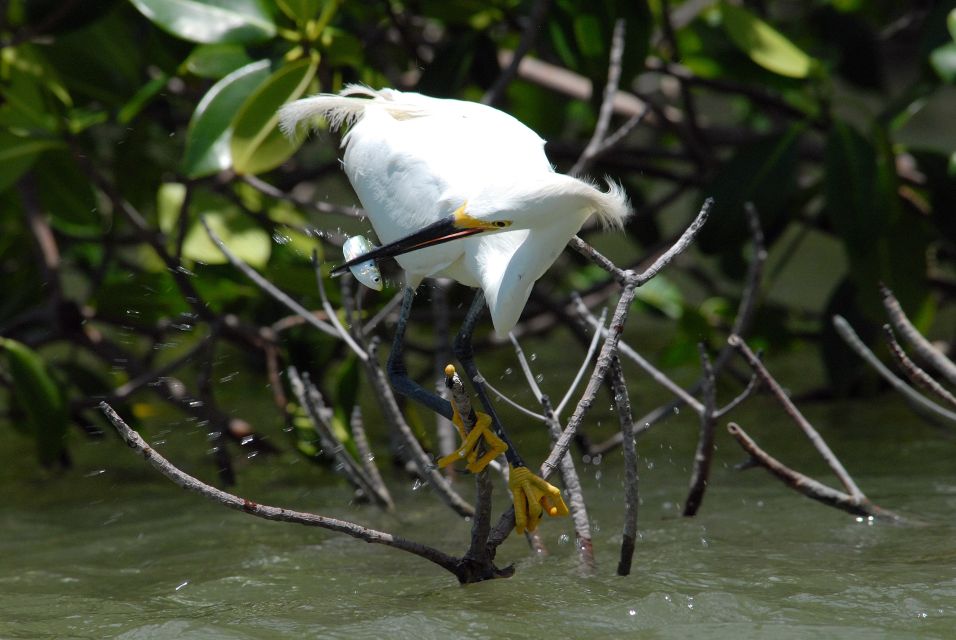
{"x":533,"y":497}
{"x":468,"y":451}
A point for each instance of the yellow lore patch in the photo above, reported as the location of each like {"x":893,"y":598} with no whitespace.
{"x":465,"y":221}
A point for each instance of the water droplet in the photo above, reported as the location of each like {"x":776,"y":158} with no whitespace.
{"x":534,"y":356}
{"x":539,"y":378}
{"x":418,"y":484}
{"x":182,"y":585}
{"x":676,"y":411}
{"x":564,"y":538}
{"x":247,"y":440}
{"x":509,"y":371}
{"x":631,"y":612}
{"x":281,"y":238}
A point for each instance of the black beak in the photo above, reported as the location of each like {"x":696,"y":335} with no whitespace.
{"x":445,"y":230}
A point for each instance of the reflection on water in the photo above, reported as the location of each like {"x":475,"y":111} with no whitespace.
{"x":115,"y":551}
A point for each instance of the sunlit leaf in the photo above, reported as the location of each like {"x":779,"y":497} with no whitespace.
{"x":239,"y":21}
{"x":943,"y":60}
{"x":248,"y":242}
{"x":951,"y":23}
{"x":216,"y":60}
{"x":765,"y":45}
{"x":663,"y":295}
{"x":169,"y":202}
{"x":257,"y":145}
{"x":207,"y":139}
{"x":39,"y":397}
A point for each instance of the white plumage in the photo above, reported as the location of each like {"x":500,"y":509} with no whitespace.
{"x":414,"y":160}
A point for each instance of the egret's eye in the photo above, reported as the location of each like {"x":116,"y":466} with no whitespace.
{"x":501,"y":224}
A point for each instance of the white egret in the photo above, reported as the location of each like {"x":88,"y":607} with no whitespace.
{"x":461,"y":190}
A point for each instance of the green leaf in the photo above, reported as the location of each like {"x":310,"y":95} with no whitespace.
{"x":943,"y":61}
{"x":883,"y":241}
{"x":38,"y":395}
{"x":66,"y":193}
{"x":663,"y":295}
{"x":17,"y":155}
{"x":300,"y":10}
{"x":765,"y":45}
{"x":241,"y":21}
{"x":250,"y":243}
{"x":763,"y":173}
{"x":207,"y":139}
{"x":216,"y":60}
{"x":951,"y":23}
{"x":257,"y":145}
{"x":587,"y":32}
{"x":141,"y":98}
{"x":341,"y":48}
{"x":169,"y":202}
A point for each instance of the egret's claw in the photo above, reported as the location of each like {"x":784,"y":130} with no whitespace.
{"x":468,"y":451}
{"x":533,"y":497}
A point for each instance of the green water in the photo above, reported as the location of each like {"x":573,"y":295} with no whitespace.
{"x":113,"y":550}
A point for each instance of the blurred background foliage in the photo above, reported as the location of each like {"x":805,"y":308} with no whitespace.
{"x":124,"y":121}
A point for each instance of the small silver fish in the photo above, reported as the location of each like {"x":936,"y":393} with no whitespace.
{"x":365,"y":272}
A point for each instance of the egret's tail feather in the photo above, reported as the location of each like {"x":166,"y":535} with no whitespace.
{"x":344,"y":108}
{"x":612,"y":206}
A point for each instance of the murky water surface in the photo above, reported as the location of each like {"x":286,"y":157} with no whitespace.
{"x":114,"y":550}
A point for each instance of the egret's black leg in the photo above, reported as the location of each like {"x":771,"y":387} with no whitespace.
{"x":398,"y":374}
{"x":466,"y":356}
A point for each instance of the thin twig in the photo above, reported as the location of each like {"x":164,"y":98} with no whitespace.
{"x":267,"y":286}
{"x":307,"y":203}
{"x":569,"y":474}
{"x":366,"y":457}
{"x":592,"y":349}
{"x":319,"y":414}
{"x":515,"y":405}
{"x":331,"y":314}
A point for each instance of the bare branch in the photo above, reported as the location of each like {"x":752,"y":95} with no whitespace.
{"x":916,"y":375}
{"x":806,"y":485}
{"x":607,"y":101}
{"x":705,"y":439}
{"x":815,"y":438}
{"x":923,"y":348}
{"x":925,"y":407}
{"x":535,"y":19}
{"x":190,"y":483}
{"x":622,"y":404}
